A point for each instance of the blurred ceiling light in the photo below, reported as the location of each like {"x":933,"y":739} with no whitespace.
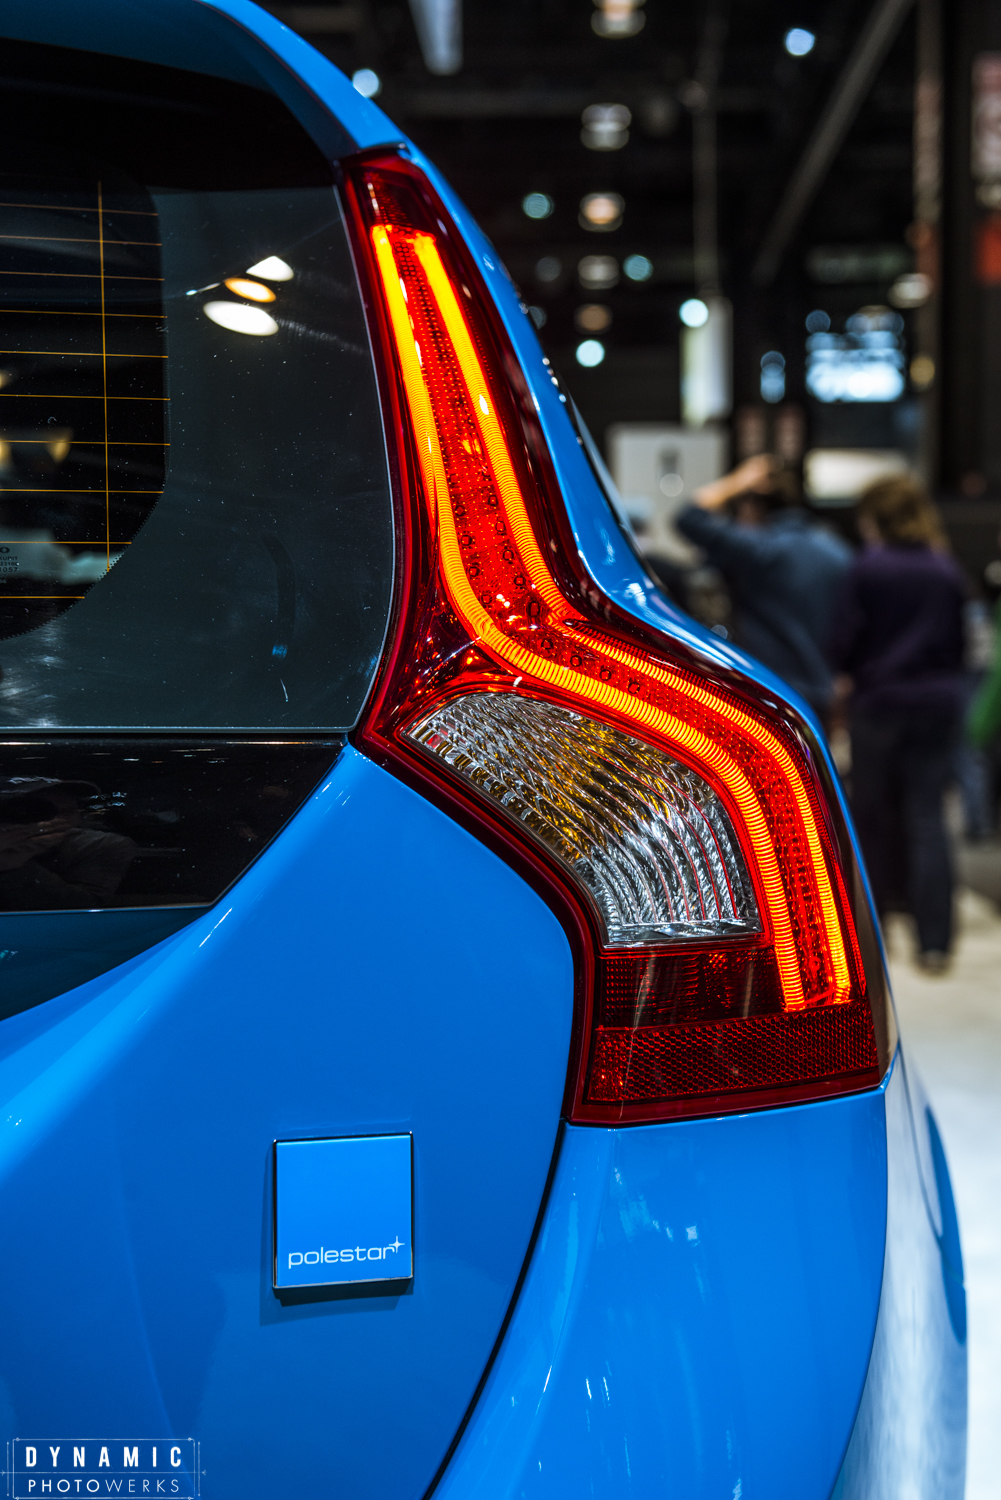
{"x":693,"y":313}
{"x":272,"y":269}
{"x":912,"y":290}
{"x":548,"y":269}
{"x":773,"y":377}
{"x":989,"y":194}
{"x":839,"y":475}
{"x":693,"y":95}
{"x":239,"y":318}
{"x":593,"y":317}
{"x":252,"y":290}
{"x":601,"y":211}
{"x":618,"y":18}
{"x":59,"y":448}
{"x":606,"y":127}
{"x":598,"y":272}
{"x":538,"y":316}
{"x":590,"y":353}
{"x":817,"y":321}
{"x":367,"y":82}
{"x":707,"y":362}
{"x":798,"y":41}
{"x":922,"y":371}
{"x":638,"y":267}
{"x":865,"y":363}
{"x":537,"y":205}
{"x":658,"y":114}
{"x":439,"y":31}
{"x":833,"y":265}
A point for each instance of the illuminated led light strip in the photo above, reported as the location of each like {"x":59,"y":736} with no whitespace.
{"x":490,"y":429}
{"x":481,"y":624}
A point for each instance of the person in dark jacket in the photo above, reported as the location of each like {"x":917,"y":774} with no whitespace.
{"x":782,"y":569}
{"x":898,"y":634}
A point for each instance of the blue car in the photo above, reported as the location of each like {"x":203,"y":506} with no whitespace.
{"x":445,"y":1045}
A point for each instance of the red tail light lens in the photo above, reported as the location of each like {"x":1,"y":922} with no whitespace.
{"x":680,"y":824}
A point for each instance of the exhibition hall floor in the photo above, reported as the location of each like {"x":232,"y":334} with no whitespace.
{"x":952,"y":1029}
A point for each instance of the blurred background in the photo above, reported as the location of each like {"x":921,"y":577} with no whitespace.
{"x":746,"y":228}
{"x":738,"y":227}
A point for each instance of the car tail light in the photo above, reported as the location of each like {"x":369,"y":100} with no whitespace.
{"x":677,"y":820}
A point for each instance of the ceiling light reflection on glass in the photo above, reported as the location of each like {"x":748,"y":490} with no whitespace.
{"x":605,"y":127}
{"x":367,"y":82}
{"x":272,"y":268}
{"x":590,"y":353}
{"x":252,"y":290}
{"x":601,"y":211}
{"x":693,"y":313}
{"x":239,"y":318}
{"x":537,"y":205}
{"x":798,"y":41}
{"x":865,"y":363}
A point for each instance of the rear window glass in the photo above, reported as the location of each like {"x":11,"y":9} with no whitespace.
{"x":195,"y":519}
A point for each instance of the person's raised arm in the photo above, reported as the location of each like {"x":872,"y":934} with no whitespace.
{"x":755,"y":475}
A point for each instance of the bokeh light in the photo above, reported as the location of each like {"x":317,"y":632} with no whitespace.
{"x":638,"y":267}
{"x":693,"y":313}
{"x":590,"y":353}
{"x":367,"y":82}
{"x":537,"y":205}
{"x":798,"y":41}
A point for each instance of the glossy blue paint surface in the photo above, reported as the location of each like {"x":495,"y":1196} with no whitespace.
{"x":698,"y":1313}
{"x":362,"y":978}
{"x":909,"y":1441}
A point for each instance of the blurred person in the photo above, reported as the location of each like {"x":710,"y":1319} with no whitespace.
{"x":49,"y":857}
{"x":983,"y":723}
{"x":898,"y":637}
{"x":783,"y":570}
{"x":974,"y":763}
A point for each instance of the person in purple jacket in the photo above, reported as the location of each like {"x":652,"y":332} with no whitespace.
{"x":898,"y":638}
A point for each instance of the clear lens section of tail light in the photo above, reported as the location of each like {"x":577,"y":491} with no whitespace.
{"x":643,"y":834}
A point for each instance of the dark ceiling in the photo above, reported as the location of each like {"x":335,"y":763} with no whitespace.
{"x":508,"y":123}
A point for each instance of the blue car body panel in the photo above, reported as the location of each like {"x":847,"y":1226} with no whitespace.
{"x":361,"y":979}
{"x":764,"y":1305}
{"x":909,"y":1439}
{"x":698,"y":1314}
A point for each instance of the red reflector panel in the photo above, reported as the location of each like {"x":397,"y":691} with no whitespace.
{"x":831,"y":1047}
{"x":494,"y":603}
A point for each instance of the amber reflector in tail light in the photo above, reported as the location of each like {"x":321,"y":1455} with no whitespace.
{"x":677,"y":821}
